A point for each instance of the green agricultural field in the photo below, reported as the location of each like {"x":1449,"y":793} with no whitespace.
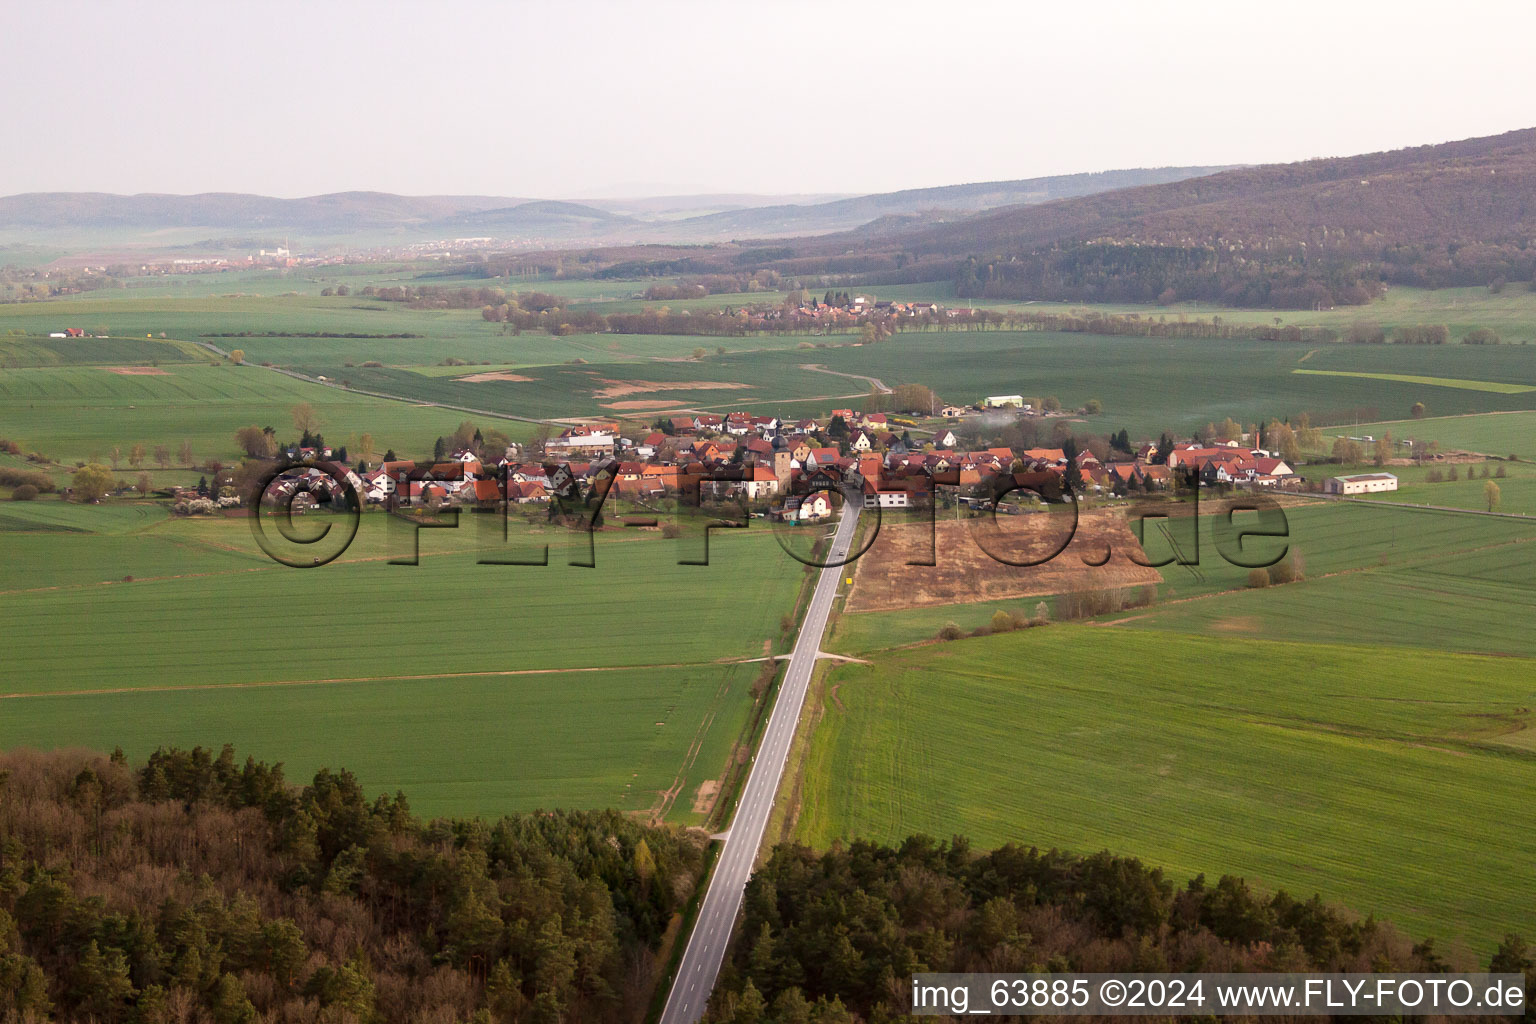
{"x":1146,"y":385}
{"x":1346,"y":770}
{"x":1512,"y":312}
{"x":1335,"y":541}
{"x":477,"y":688}
{"x":1498,"y":434}
{"x":362,"y":617}
{"x":18,"y":352}
{"x":1478,"y":601}
{"x":1454,"y":581}
{"x":81,"y":413}
{"x":1517,"y":487}
{"x":1497,"y":387}
{"x":457,"y":745}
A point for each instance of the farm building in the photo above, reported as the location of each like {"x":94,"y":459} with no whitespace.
{"x":1004,"y":401}
{"x":1362,"y":483}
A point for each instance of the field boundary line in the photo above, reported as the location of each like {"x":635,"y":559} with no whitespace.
{"x":380,"y":394}
{"x":343,"y":680}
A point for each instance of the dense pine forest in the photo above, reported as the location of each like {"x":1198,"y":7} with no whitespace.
{"x":194,"y":888}
{"x":835,"y":937}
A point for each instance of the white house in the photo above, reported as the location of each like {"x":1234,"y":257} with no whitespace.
{"x":886,"y":499}
{"x":807,"y":508}
{"x":1362,"y":483}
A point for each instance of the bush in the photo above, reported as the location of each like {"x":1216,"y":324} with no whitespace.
{"x":1287,"y":570}
{"x":671,"y":531}
{"x":1453,"y":474}
{"x":10,"y":477}
{"x":951,"y":631}
{"x":1258,"y":578}
{"x":1501,"y":472}
{"x":1002,"y":621}
{"x":1434,"y":476}
{"x":1087,"y":604}
{"x":26,"y":492}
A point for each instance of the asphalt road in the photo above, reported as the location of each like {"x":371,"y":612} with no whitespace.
{"x":712,"y":929}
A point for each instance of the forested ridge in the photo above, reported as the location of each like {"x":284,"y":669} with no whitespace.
{"x":194,"y":888}
{"x":1310,"y":234}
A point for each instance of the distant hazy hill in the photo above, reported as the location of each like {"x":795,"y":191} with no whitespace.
{"x":1476,"y":189}
{"x":540,"y":219}
{"x":337,"y":212}
{"x":843,"y":214}
{"x":80,"y":218}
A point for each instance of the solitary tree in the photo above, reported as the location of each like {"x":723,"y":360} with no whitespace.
{"x":145,"y":483}
{"x":1491,"y":494}
{"x":237,"y":356}
{"x":1417,"y":410}
{"x":305,"y":419}
{"x":136,"y":456}
{"x":255,"y":442}
{"x":186,"y":453}
{"x":162,"y":456}
{"x":92,"y":482}
{"x":1383,"y":449}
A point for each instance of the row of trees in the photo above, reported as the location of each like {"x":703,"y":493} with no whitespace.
{"x":198,"y":887}
{"x":161,"y":454}
{"x":1368,"y":332}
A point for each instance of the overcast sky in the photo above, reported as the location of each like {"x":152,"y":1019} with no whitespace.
{"x":587,"y":99}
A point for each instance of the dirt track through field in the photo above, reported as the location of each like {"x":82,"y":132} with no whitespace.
{"x":624,"y":388}
{"x":492,"y":375}
{"x":341,"y":680}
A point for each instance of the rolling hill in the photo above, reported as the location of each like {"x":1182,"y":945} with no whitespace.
{"x":953,"y":200}
{"x":337,"y":211}
{"x":1312,"y":234}
{"x":1309,"y":234}
{"x":85,"y":218}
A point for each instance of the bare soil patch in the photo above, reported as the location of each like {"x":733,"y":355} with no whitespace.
{"x":622,"y":388}
{"x":138,"y":371}
{"x":506,"y":375}
{"x":640,"y":404}
{"x":965,"y":573}
{"x":704,"y":799}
